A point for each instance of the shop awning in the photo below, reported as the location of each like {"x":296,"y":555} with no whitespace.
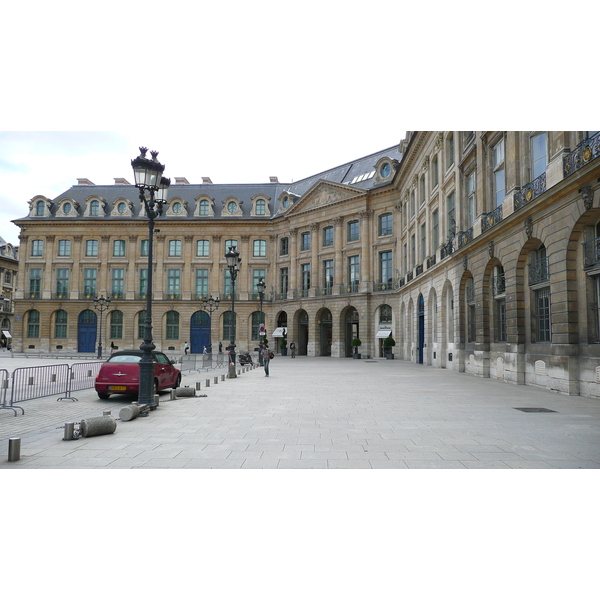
{"x":279,"y":332}
{"x":383,"y":333}
{"x":6,"y":334}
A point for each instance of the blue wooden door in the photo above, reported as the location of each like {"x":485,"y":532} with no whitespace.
{"x":86,"y":331}
{"x":199,"y":332}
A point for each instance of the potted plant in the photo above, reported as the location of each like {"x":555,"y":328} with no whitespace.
{"x":388,"y":345}
{"x":355,"y":344}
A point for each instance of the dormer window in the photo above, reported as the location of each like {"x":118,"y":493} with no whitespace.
{"x":67,"y":208}
{"x":260,"y":207}
{"x":121,"y":208}
{"x":39,"y":208}
{"x":232,"y":207}
{"x":94,"y":208}
{"x":285,"y":202}
{"x":177,"y":207}
{"x":204,"y":208}
{"x":386,"y":169}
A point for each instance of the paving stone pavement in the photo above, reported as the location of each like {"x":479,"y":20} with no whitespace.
{"x":319,"y":413}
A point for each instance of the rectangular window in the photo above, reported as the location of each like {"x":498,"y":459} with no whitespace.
{"x":472,"y":324}
{"x":352,"y":231}
{"x":385,"y":224}
{"x":91,"y":248}
{"x":328,"y":275}
{"x":258,"y":318}
{"x":434,"y":172}
{"x":450,"y":214}
{"x":227,"y":289}
{"x":37,"y":247}
{"x":305,"y":269}
{"x":144,"y":248}
{"x":404,"y":258}
{"x":498,"y":167}
{"x":283,"y":281}
{"x":230,"y":244}
{"x":143,"y":289}
{"x":542,"y":307}
{"x":257,"y":275}
{"x":203,"y":248}
{"x":328,"y":236}
{"x":305,"y":243}
{"x":413,"y":205}
{"x":174,"y":247}
{"x":423,"y":243}
{"x":33,"y":324}
{"x":172,"y":325}
{"x":62,"y":283}
{"x":141,"y":324}
{"x":501,"y":320}
{"x":284,"y":246}
{"x":385,"y":269}
{"x":119,"y":248}
{"x":118,"y":283}
{"x":60,"y":325}
{"x":89,"y":283}
{"x":449,"y":151}
{"x":35,"y":283}
{"x":353,"y":272}
{"x":413,"y":251}
{"x":116,"y":325}
{"x":201,"y":283}
{"x":470,"y":191}
{"x":435,"y":231}
{"x":422,"y":191}
{"x":173,"y":283}
{"x":64,"y":247}
{"x":260,"y":248}
{"x":538,"y":155}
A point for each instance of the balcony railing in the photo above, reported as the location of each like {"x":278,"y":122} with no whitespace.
{"x":529,"y":192}
{"x":351,"y":288}
{"x":409,"y":276}
{"x":591,"y":253}
{"x":539,"y":271}
{"x":418,"y":270}
{"x":326,"y":290}
{"x":60,"y":296}
{"x":385,"y":286}
{"x":464,"y":237}
{"x":117,"y":295}
{"x":492,"y":218}
{"x":587,"y":151}
{"x":139,"y":296}
{"x":304,"y":293}
{"x":34,"y":295}
{"x":431,"y":261}
{"x":278,"y":296}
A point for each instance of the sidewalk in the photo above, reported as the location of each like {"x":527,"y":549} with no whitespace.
{"x":320,"y":413}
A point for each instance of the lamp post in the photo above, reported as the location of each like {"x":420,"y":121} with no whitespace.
{"x":260,"y":286}
{"x":148,"y":178}
{"x":232,"y":256}
{"x":101,"y":304}
{"x":210,"y":304}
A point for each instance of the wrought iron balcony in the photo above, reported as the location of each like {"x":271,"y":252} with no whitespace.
{"x":591,"y":253}
{"x":492,"y":218}
{"x":585,"y":152}
{"x":304,"y":293}
{"x":418,"y":270}
{"x":431,"y":261}
{"x":278,"y":296}
{"x":351,"y":288}
{"x":117,"y":295}
{"x":409,"y":276}
{"x":141,"y":296}
{"x":539,"y":271}
{"x":447,"y":249}
{"x":34,"y":295}
{"x":326,"y":290}
{"x":529,"y":192}
{"x":464,"y":237}
{"x":498,"y":285}
{"x":384,"y":287}
{"x":60,"y":296}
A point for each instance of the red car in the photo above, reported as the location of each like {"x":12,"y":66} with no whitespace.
{"x":120,"y":374}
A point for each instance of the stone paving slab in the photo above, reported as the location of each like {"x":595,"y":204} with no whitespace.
{"x":368,"y":415}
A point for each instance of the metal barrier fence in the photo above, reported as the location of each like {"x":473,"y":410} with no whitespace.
{"x":28,"y":383}
{"x":199,"y":362}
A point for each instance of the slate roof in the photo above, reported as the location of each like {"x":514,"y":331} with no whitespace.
{"x":346,"y":174}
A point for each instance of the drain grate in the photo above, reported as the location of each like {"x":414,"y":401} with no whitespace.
{"x":535,"y":410}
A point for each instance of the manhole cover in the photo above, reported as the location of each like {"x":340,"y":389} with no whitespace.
{"x":535,"y":410}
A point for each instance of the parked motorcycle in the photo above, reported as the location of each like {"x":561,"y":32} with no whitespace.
{"x":244,"y":358}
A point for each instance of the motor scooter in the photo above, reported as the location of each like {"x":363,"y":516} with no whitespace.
{"x":245,"y":358}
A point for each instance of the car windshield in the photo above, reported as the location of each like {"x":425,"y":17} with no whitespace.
{"x":125,"y":358}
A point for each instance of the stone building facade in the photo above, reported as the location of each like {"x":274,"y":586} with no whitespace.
{"x":9,"y":270}
{"x":478,"y":251}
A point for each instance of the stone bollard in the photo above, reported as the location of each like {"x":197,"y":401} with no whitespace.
{"x":198,"y":386}
{"x":207,"y":384}
{"x":134,"y":410}
{"x":97,"y":426}
{"x":69,"y":431}
{"x":172,"y":395}
{"x":14,"y":449}
{"x":222,"y":377}
{"x":185,"y":392}
{"x":217,"y":379}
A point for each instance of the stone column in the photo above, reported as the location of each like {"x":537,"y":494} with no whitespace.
{"x":214,"y":281}
{"x":74,"y":278}
{"x":366,"y":277}
{"x":49,"y":267}
{"x":188,"y":282}
{"x":104,"y":256}
{"x":159,"y":274}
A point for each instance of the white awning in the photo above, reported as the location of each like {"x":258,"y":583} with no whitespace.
{"x":6,"y":334}
{"x":279,"y":332}
{"x":383,"y":333}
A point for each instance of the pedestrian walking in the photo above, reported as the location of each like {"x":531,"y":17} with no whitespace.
{"x":112,"y":347}
{"x":204,"y":350}
{"x":186,"y":347}
{"x":220,"y":347}
{"x":293,"y":349}
{"x":267,"y":355}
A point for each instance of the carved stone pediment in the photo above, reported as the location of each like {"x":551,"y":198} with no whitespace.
{"x":324,"y":193}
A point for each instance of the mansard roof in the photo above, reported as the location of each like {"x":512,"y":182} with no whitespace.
{"x":359,"y":173}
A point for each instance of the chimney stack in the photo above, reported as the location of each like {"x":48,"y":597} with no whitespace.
{"x":206,"y":180}
{"x":274,"y":179}
{"x":84,"y":181}
{"x":121,"y":181}
{"x":181,"y":181}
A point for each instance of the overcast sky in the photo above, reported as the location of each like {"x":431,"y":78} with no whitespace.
{"x":242,"y":91}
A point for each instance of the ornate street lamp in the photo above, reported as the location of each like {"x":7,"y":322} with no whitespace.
{"x":210,"y":305}
{"x":101,"y":304}
{"x":148,"y":178}
{"x":232,"y":256}
{"x":260,"y":286}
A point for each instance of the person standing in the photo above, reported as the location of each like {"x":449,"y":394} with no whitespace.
{"x":220,"y":347}
{"x":186,"y":347}
{"x":112,"y":347}
{"x":266,"y":356}
{"x":293,"y":349}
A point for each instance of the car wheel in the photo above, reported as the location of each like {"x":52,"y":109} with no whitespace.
{"x":177,"y":382}
{"x":155,"y":387}
{"x":103,"y":395}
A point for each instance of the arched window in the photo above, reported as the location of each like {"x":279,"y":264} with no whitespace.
{"x":94,"y":208}
{"x":141,"y":324}
{"x":39,"y":208}
{"x":60,"y":324}
{"x":204,"y":206}
{"x":116,"y":324}
{"x":260,"y":207}
{"x":33,"y":324}
{"x":172,"y":325}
